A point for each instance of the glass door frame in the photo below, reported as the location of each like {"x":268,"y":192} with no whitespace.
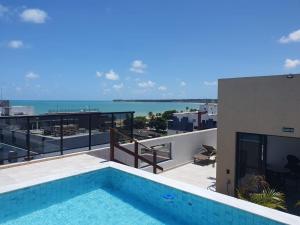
{"x":263,"y":142}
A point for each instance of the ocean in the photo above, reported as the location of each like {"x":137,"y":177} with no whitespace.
{"x":140,"y":108}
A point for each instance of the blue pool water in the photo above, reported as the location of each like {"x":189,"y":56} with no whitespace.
{"x":109,"y":196}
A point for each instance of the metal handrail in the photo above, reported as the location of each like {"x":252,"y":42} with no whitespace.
{"x":25,"y":124}
{"x":63,"y":114}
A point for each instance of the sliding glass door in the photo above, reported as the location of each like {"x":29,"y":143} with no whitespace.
{"x":251,"y":157}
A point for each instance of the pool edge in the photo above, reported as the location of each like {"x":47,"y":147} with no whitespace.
{"x":265,"y":212}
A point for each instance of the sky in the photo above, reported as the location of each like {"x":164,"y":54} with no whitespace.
{"x":133,"y":49}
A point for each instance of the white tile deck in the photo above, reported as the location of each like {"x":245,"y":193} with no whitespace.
{"x":20,"y":176}
{"x":200,"y":176}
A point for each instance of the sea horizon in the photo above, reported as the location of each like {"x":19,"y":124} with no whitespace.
{"x":140,"y":108}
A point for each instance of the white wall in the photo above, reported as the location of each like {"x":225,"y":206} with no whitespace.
{"x":278,"y":148}
{"x":21,"y":110}
{"x":192,"y":117}
{"x":184,"y":147}
{"x":206,"y":116}
{"x":211,"y":108}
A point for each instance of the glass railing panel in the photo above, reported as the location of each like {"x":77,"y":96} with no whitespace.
{"x":123,"y":123}
{"x":100,"y":125}
{"x":13,"y":143}
{"x":75,"y":131}
{"x":44,"y":138}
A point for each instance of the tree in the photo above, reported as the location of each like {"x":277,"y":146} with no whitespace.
{"x":167,"y":115}
{"x":268,"y":198}
{"x":258,"y":191}
{"x":158,"y":123}
{"x":139,"y":122}
{"x":150,"y":115}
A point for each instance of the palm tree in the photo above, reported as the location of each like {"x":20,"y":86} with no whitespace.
{"x":150,"y":115}
{"x":268,"y":198}
{"x":258,"y":191}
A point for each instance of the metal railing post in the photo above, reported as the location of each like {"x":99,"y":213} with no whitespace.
{"x":1,"y":135}
{"x":131,"y":125}
{"x":112,"y":144}
{"x":154,"y":161}
{"x":90,"y":131}
{"x":112,"y":120}
{"x":61,"y":136}
{"x":28,"y":138}
{"x":136,"y":152}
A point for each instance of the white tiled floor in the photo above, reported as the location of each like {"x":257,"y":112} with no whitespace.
{"x":15,"y":177}
{"x":20,"y":176}
{"x":200,"y":176}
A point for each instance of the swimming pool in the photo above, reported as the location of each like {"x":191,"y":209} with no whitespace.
{"x":111,"y":196}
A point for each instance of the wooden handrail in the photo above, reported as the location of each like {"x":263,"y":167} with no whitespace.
{"x":135,"y":154}
{"x":138,"y":156}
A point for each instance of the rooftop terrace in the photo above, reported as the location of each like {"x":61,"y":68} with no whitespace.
{"x":16,"y":176}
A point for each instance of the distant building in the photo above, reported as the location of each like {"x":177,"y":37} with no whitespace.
{"x":7,"y":110}
{"x":4,"y":106}
{"x":204,"y":118}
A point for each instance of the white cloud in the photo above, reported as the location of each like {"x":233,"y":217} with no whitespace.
{"x":99,"y":74}
{"x":118,"y":86}
{"x":291,"y":63}
{"x":3,"y":10}
{"x":112,"y":75}
{"x":292,"y":37}
{"x":34,"y":16}
{"x":210,"y":83}
{"x":32,"y":76}
{"x":18,"y":89}
{"x":146,"y":84}
{"x":182,"y":83}
{"x":106,"y":91}
{"x":162,"y":88}
{"x":137,"y":66}
{"x":15,"y":44}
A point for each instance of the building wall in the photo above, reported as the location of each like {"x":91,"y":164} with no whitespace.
{"x":183,"y":147}
{"x":262,"y":105}
{"x":192,"y":117}
{"x":211,"y":108}
{"x":188,"y":121}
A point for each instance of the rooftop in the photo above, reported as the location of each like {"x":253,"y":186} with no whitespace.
{"x":197,"y":175}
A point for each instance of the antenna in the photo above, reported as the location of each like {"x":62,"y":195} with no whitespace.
{"x":1,"y":97}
